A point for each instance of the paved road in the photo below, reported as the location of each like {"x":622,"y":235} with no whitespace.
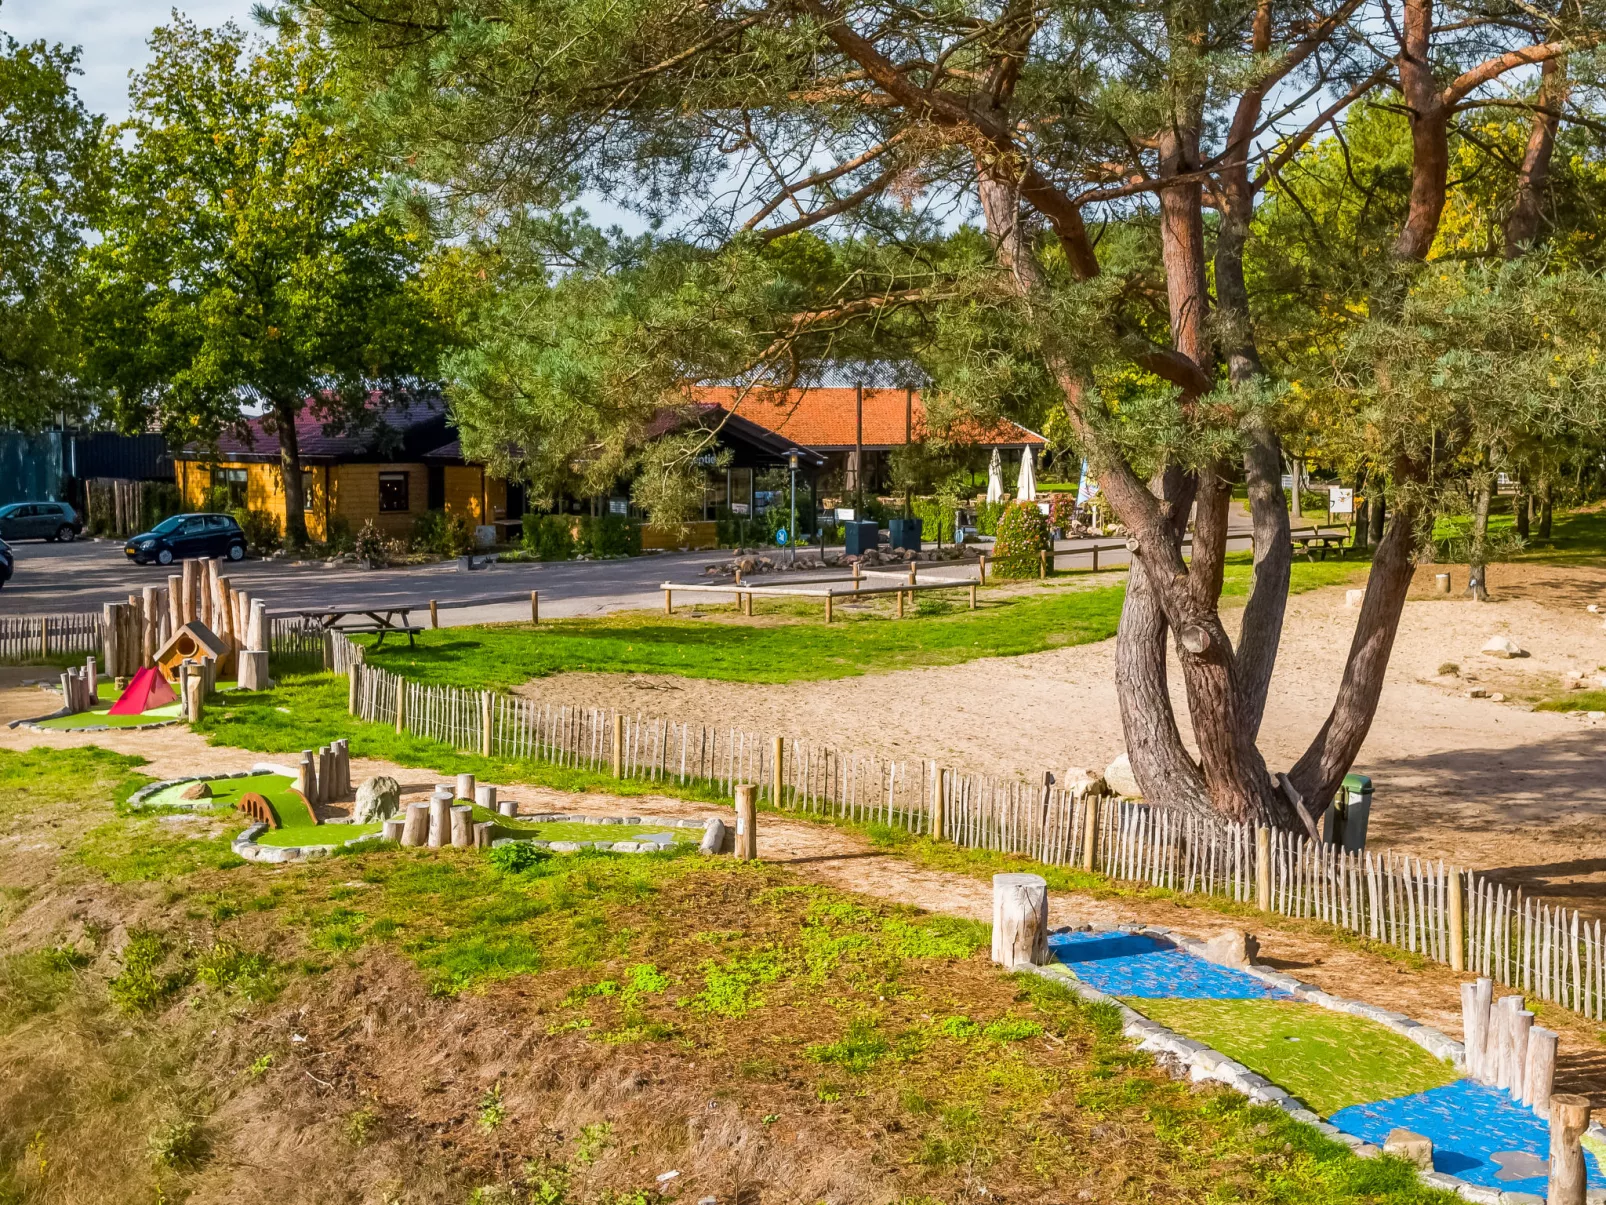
{"x":63,"y":578}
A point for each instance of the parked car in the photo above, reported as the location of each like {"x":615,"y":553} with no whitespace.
{"x":8,"y":563}
{"x":40,"y":521}
{"x":185,"y":536}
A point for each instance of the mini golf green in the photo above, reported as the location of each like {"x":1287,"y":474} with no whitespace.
{"x":1329,"y":1060}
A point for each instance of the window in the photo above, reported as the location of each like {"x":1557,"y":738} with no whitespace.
{"x":194,"y":525}
{"x":306,"y":489}
{"x":218,"y":522}
{"x":393,"y":492}
{"x":228,"y":488}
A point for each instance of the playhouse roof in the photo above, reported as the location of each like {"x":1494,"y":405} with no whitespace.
{"x":201,"y":640}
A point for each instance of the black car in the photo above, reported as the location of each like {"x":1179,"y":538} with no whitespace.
{"x":186,"y":536}
{"x":40,"y":521}
{"x":8,"y":563}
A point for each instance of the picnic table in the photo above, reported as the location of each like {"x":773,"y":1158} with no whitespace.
{"x":379,"y":619}
{"x":1305,"y":538}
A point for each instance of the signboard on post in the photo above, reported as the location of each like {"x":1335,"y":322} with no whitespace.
{"x":845,"y":514}
{"x":1340,"y":501}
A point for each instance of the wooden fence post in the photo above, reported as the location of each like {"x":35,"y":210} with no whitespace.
{"x":351,"y":689}
{"x":434,"y":614}
{"x":486,"y":723}
{"x":1475,"y":998}
{"x":44,"y":637}
{"x":1020,"y":920}
{"x":535,"y":607}
{"x":1095,"y":558}
{"x":827,"y":604}
{"x":1042,"y":563}
{"x":746,"y":822}
{"x":669,"y":602}
{"x":1090,"y":832}
{"x":972,"y":596}
{"x":401,"y":703}
{"x":1458,"y":917}
{"x":938,"y":803}
{"x":1539,"y":1076}
{"x":778,"y":759}
{"x":1569,"y":1118}
{"x":618,"y":745}
{"x":1263,"y":868}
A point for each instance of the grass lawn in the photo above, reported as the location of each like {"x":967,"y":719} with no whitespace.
{"x":106,"y":694}
{"x":791,"y":643}
{"x":588,"y":1021}
{"x":1575,"y":700}
{"x":1576,"y":537}
{"x":1329,"y":1060}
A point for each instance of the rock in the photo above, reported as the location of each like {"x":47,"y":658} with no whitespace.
{"x":1412,"y":1147}
{"x":1354,"y":598}
{"x":1593,"y":608}
{"x":1080,"y":783}
{"x":1120,"y":780}
{"x":713,"y":836}
{"x":1477,"y":692}
{"x":1503,"y":647}
{"x":1497,"y":697}
{"x":378,"y":798}
{"x":196,"y":790}
{"x":1595,"y":715}
{"x":1231,"y":948}
{"x":1574,"y":675}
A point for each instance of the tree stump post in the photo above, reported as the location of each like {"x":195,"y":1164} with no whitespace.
{"x":746,"y":822}
{"x":195,"y":694}
{"x":1521,"y":1023}
{"x":972,"y":596}
{"x":434,"y":614}
{"x":1539,"y":1077}
{"x":485,"y":797}
{"x":1569,"y":1118}
{"x":187,"y":609}
{"x":1263,"y":868}
{"x":465,"y":787}
{"x":1475,"y":1025}
{"x":175,"y":601}
{"x":415,"y":830}
{"x":1502,"y":1022}
{"x":1020,"y":920}
{"x":827,"y":604}
{"x":394,"y":829}
{"x":462,"y":826}
{"x":482,"y":834}
{"x":487,"y":722}
{"x":669,"y":602}
{"x":535,"y":607}
{"x":440,"y":821}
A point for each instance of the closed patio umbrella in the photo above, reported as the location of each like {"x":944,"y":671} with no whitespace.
{"x":995,"y":478}
{"x":1026,"y":487}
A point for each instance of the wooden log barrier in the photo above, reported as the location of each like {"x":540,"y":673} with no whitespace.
{"x":1539,"y":1076}
{"x":1475,"y":998}
{"x":746,"y":822}
{"x":440,"y":821}
{"x":1569,"y":1118}
{"x":483,"y":832}
{"x":1522,"y":1023}
{"x":1020,"y":919}
{"x":1500,"y":1041}
{"x":434,"y":614}
{"x":416,"y":829}
{"x":485,"y":797}
{"x":465,"y":787}
{"x":462,"y":826}
{"x":393,"y":828}
{"x":535,"y":607}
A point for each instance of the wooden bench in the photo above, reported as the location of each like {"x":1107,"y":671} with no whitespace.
{"x":1304,"y":538}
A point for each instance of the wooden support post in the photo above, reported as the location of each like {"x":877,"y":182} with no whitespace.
{"x":1095,"y":558}
{"x":981,"y":567}
{"x":259,"y":635}
{"x":618,"y":745}
{"x":462,"y":826}
{"x":485,"y":797}
{"x":1539,"y":1077}
{"x":326,"y":774}
{"x":440,"y":820}
{"x":1502,"y":1022}
{"x":434,"y":614}
{"x":465,"y":787}
{"x":252,"y":671}
{"x":855,"y":576}
{"x":187,"y":613}
{"x":1458,"y":923}
{"x":196,"y":697}
{"x":394,"y":829}
{"x":778,"y":767}
{"x":939,"y":805}
{"x":828,"y":605}
{"x":1020,"y":920}
{"x":416,"y":829}
{"x":1090,"y":832}
{"x":352,"y":677}
{"x":1475,"y":999}
{"x":535,"y":607}
{"x":900,"y":604}
{"x":482,"y":834}
{"x":1569,"y":1118}
{"x":487,"y":722}
{"x":148,"y":643}
{"x":401,"y":703}
{"x":669,"y":602}
{"x":746,"y":822}
{"x":44,"y":638}
{"x":1042,"y":563}
{"x":1263,"y":868}
{"x":175,"y":601}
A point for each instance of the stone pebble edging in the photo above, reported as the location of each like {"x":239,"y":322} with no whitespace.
{"x":1183,"y":1056}
{"x":35,"y":723}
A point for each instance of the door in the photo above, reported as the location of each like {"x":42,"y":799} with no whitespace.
{"x":190,"y":539}
{"x":218,"y":529}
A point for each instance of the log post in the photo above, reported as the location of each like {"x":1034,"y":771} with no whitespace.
{"x":939,"y":805}
{"x":69,"y":692}
{"x":535,"y":607}
{"x":258,"y":636}
{"x":465,"y":787}
{"x":401,"y":703}
{"x":1458,"y":922}
{"x":195,"y":697}
{"x":618,"y":745}
{"x":1263,"y":868}
{"x":1522,"y":1023}
{"x":342,"y":749}
{"x":855,"y":577}
{"x":669,"y":602}
{"x":778,"y":761}
{"x":1569,"y":1118}
{"x":307,"y":777}
{"x":1475,"y":1025}
{"x":1042,"y":564}
{"x":972,"y":596}
{"x":900,"y":604}
{"x":187,"y":610}
{"x":1095,"y":558}
{"x":482,"y":834}
{"x":434,"y":614}
{"x":1539,"y":1075}
{"x":746,"y":822}
{"x":487,"y":722}
{"x":147,"y":646}
{"x":508,"y":807}
{"x":462,"y":826}
{"x":352,"y":676}
{"x":828,"y":604}
{"x":416,"y":829}
{"x":981,"y":567}
{"x":1090,"y":833}
{"x":1020,"y":920}
{"x":108,"y":636}
{"x":326,"y":774}
{"x":440,"y":820}
{"x":394,"y":828}
{"x":1502,"y":1023}
{"x":485,"y":797}
{"x":175,"y":601}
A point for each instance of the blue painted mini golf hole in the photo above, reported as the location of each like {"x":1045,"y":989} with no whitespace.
{"x":1130,"y":964}
{"x":1469,"y":1124}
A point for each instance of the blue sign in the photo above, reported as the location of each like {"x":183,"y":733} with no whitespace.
{"x":780,"y":536}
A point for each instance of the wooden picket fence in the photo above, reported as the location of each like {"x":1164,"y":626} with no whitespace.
{"x":1413,"y":904}
{"x":27,"y":638}
{"x":300,"y":642}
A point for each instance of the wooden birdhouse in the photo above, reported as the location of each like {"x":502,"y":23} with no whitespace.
{"x":193,"y":642}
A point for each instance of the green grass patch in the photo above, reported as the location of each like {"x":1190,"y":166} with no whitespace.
{"x":1576,"y":537}
{"x":55,"y":777}
{"x":1575,"y":700}
{"x":1329,"y":1060}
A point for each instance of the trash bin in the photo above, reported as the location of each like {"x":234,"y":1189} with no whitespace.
{"x":905,"y":533}
{"x":859,"y":536}
{"x":1345,"y":823}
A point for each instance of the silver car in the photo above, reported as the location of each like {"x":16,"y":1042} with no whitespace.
{"x":39,"y":521}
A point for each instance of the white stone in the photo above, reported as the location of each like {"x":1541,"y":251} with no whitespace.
{"x":1119,"y":778}
{"x":1079,"y":783}
{"x":1595,"y":715}
{"x":378,"y":798}
{"x":1354,"y":598}
{"x":1232,"y":948}
{"x":1504,"y":647}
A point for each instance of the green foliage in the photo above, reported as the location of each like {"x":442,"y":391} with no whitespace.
{"x":370,"y":545}
{"x":516,"y":857}
{"x":262,"y":533}
{"x":608,"y":536}
{"x":180,"y":1144}
{"x":549,"y":537}
{"x":492,"y":1112}
{"x":147,"y":981}
{"x":856,"y":1051}
{"x":1022,"y":536}
{"x":732,"y":988}
{"x":987,"y":516}
{"x":445,"y":533}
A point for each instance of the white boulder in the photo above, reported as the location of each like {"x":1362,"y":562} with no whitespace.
{"x":378,"y":798}
{"x":1504,"y":647}
{"x":1119,"y":778}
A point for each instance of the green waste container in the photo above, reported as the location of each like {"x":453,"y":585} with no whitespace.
{"x":1345,"y":823}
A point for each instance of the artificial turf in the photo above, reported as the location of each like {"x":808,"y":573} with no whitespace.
{"x":1329,"y":1060}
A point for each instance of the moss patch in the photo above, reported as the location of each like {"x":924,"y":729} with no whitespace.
{"x":1329,"y":1060}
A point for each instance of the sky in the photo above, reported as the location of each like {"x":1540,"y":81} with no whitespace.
{"x":112,"y":34}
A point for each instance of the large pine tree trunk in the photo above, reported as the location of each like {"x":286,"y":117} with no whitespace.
{"x":295,"y":509}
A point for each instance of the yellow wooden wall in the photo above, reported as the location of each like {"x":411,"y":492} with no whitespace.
{"x":472,"y":492}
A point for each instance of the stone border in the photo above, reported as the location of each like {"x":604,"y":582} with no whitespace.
{"x":1184,"y":1057}
{"x":618,"y":847}
{"x":36,"y":724}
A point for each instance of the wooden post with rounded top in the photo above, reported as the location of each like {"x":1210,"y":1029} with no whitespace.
{"x":669,"y":602}
{"x":1569,"y":1118}
{"x":1042,"y":563}
{"x":618,"y":745}
{"x":187,"y":595}
{"x":900,"y":604}
{"x":434,"y":614}
{"x":938,"y":801}
{"x":1539,"y":1076}
{"x":1090,"y":832}
{"x":981,"y":567}
{"x":828,"y":606}
{"x":535,"y":607}
{"x":1458,"y":923}
{"x":1475,"y":999}
{"x":487,"y":722}
{"x":778,"y":762}
{"x":746,"y":822}
{"x":1263,"y":868}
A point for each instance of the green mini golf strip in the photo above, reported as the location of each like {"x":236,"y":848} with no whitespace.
{"x":1329,"y":1060}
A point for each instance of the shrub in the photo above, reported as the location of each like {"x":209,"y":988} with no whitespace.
{"x":370,"y":544}
{"x":1062,"y":512}
{"x":445,"y":533}
{"x":337,"y":534}
{"x":549,"y":537}
{"x":178,"y":1144}
{"x":517,"y":856}
{"x":1022,"y":535}
{"x":936,"y":518}
{"x":262,"y":534}
{"x":987,"y":516}
{"x":610,"y":535}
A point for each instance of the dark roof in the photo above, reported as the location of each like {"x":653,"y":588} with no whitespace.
{"x":403,"y":429}
{"x":742,"y":435}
